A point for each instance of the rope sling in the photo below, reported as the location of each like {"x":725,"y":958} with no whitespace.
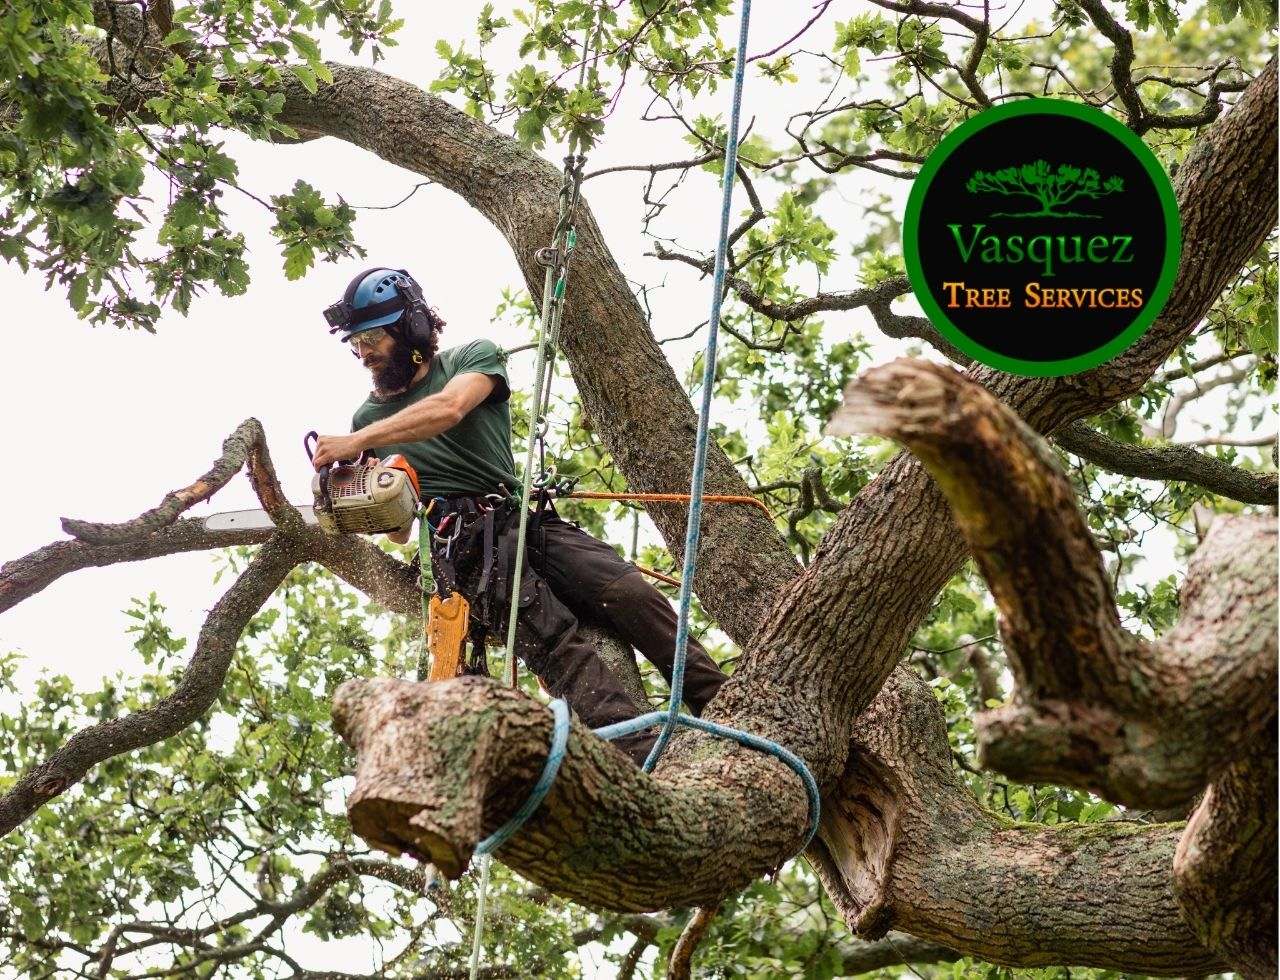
{"x":556,"y":259}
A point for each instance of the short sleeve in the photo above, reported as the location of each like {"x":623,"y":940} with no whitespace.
{"x":484,"y":357}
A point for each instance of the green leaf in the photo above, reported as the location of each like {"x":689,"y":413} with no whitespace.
{"x":306,"y":76}
{"x":78,"y":294}
{"x":179,"y":35}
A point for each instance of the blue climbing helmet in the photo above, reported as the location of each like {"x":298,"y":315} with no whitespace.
{"x":388,"y":298}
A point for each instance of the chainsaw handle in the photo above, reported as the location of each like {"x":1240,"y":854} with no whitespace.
{"x":313,"y":437}
{"x":308,"y":442}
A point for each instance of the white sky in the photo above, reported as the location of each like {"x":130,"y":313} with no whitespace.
{"x":120,"y":419}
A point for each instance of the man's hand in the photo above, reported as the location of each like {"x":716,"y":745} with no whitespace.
{"x":401,"y":536}
{"x":330,"y":449}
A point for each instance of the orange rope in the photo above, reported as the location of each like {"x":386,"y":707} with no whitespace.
{"x":660,"y":576}
{"x":710,"y":498}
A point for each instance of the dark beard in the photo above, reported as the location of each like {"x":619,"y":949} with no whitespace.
{"x":395,"y":374}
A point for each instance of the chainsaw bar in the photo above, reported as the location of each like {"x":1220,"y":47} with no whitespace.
{"x":252,"y":520}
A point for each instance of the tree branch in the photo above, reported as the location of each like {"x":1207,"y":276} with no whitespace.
{"x":1141,"y":120}
{"x":197,"y":689}
{"x":1179,"y":401}
{"x":23,"y":577}
{"x":1143,"y":723}
{"x":1175,"y":462}
{"x":680,"y":965}
{"x":853,"y":299}
{"x":895,"y":949}
{"x":247,"y":444}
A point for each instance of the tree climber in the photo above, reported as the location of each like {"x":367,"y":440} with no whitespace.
{"x":447,"y":413}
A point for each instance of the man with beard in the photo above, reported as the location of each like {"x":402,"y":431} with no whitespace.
{"x":447,"y":413}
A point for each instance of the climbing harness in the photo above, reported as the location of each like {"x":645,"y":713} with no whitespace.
{"x":553,"y":293}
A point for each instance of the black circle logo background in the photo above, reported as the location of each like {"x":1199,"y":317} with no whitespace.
{"x":1041,"y":334}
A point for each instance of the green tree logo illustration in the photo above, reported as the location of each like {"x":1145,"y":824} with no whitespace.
{"x":1053,"y":190}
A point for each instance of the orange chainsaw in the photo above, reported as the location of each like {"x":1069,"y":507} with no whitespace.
{"x":365,"y":496}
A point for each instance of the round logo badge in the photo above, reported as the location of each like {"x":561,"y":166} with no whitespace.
{"x":1042,"y":237}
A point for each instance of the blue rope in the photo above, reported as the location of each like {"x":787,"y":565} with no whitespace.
{"x":671,"y":718}
{"x":541,"y":788}
{"x":694,"y":529}
{"x":632,"y":725}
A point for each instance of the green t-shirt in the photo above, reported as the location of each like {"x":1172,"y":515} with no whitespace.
{"x":474,"y":456}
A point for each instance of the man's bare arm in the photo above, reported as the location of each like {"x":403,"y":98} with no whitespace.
{"x":423,"y":419}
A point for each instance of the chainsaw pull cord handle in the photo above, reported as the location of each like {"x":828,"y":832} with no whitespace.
{"x":307,"y":444}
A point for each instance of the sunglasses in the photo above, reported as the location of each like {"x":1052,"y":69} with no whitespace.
{"x":367,"y":338}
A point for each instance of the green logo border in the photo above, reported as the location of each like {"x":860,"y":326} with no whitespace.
{"x":1168,"y":204}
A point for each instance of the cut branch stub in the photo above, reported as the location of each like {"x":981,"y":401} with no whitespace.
{"x":1142,"y":723}
{"x":440,"y":766}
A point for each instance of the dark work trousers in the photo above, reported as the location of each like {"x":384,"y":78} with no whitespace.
{"x":570,"y":575}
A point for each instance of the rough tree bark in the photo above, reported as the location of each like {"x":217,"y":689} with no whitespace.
{"x":905,"y":842}
{"x":1146,"y":723}
{"x":1138,"y":722}
{"x":818,"y":645}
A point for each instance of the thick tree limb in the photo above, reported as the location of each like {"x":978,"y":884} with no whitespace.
{"x":1145,"y":724}
{"x":23,"y":577}
{"x":200,"y":684}
{"x":1168,"y":463}
{"x":441,"y":765}
{"x":1224,"y":871}
{"x":905,"y":845}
